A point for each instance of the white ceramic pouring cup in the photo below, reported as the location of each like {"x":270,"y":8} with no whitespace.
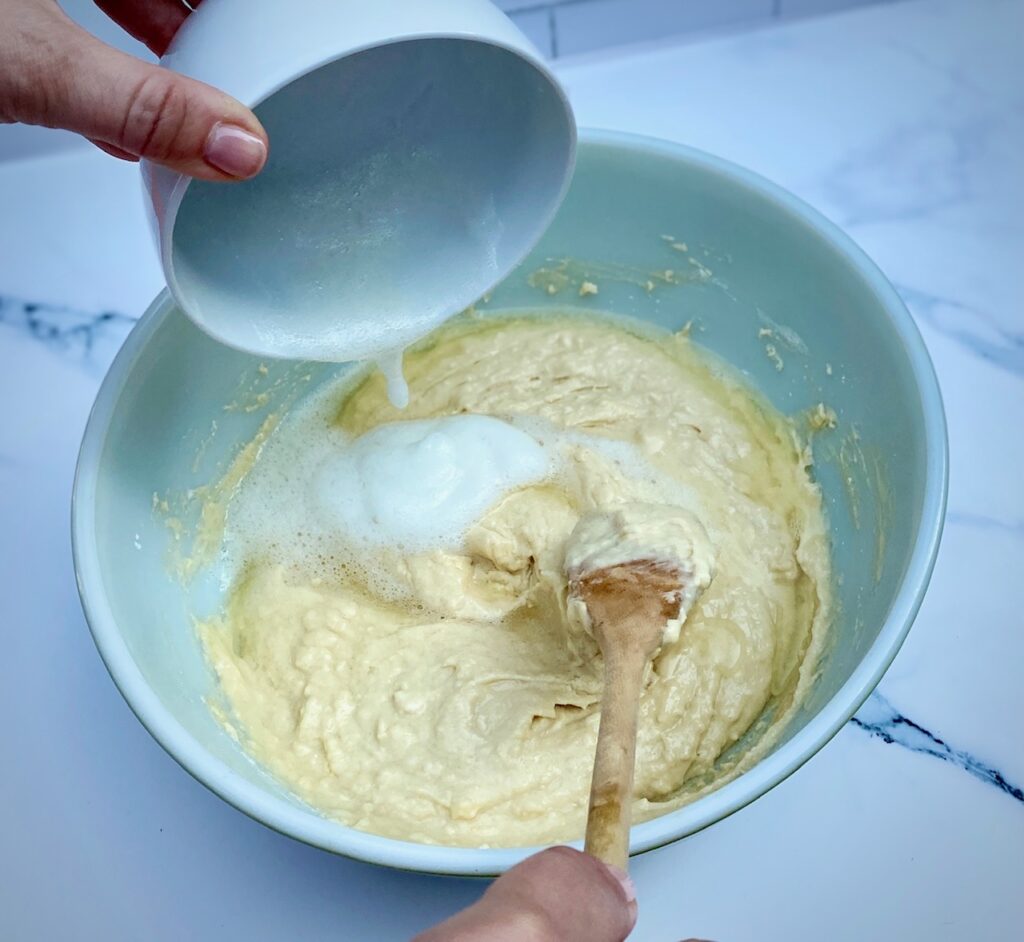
{"x":418,"y":150}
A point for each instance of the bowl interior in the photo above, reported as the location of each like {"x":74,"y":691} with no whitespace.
{"x":406,"y":178}
{"x":767,"y":285}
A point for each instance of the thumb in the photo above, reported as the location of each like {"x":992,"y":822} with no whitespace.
{"x":133,"y":109}
{"x":558,"y":895}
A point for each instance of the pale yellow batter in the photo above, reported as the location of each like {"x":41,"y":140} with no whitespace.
{"x":445,"y":696}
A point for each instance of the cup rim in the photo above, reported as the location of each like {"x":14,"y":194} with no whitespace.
{"x":322,"y":832}
{"x":165,"y":224}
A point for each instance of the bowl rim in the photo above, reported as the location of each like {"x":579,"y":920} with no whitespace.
{"x":306,"y":825}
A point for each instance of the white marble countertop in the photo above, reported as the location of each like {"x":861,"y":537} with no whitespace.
{"x":905,"y":124}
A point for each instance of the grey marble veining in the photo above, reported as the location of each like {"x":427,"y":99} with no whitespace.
{"x":962,"y":518}
{"x":980,"y":333}
{"x":909,"y":172}
{"x":65,"y":330}
{"x":880,"y":719}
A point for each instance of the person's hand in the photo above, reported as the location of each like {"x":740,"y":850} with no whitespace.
{"x":558,"y":895}
{"x":54,"y":74}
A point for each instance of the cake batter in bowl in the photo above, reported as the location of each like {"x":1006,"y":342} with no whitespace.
{"x":650,"y":231}
{"x":418,"y":671}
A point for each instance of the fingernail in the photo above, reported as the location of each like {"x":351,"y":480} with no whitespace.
{"x":628,"y":887}
{"x":235,"y":151}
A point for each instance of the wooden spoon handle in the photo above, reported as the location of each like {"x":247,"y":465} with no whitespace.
{"x":611,"y":789}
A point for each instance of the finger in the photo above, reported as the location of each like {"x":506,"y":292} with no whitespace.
{"x":559,"y":895}
{"x":153,"y":22}
{"x":114,"y":151}
{"x":72,"y":80}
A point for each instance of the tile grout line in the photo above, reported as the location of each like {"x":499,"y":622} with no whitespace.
{"x":776,"y":11}
{"x":548,"y":5}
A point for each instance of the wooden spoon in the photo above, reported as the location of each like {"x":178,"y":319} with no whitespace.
{"x":629,"y":606}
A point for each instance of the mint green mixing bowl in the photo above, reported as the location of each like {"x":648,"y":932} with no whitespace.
{"x":771,"y":283}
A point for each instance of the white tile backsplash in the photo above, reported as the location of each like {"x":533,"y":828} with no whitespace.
{"x":811,"y":7}
{"x":594,"y":24}
{"x":563,"y":27}
{"x":508,"y":5}
{"x":537,"y":26}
